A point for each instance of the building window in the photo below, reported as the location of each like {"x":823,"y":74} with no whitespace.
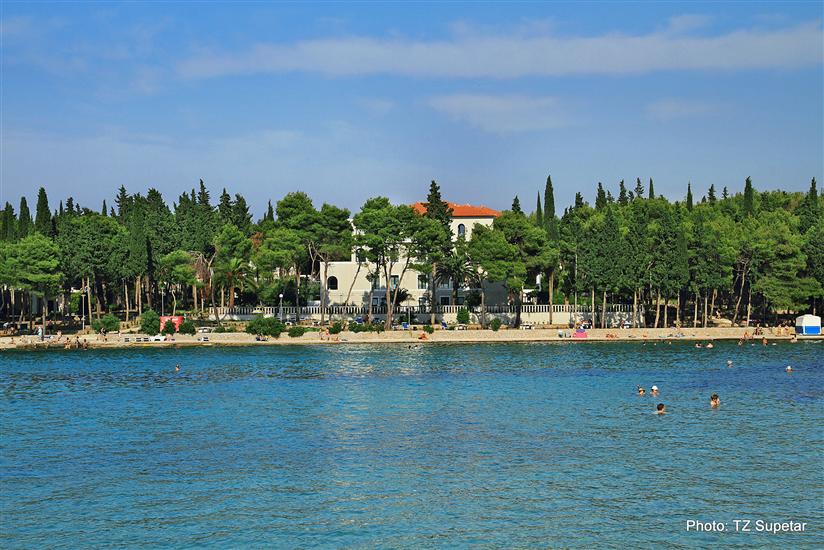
{"x":444,"y":300}
{"x":332,"y":283}
{"x":423,"y":282}
{"x":461,"y":230}
{"x":393,"y":282}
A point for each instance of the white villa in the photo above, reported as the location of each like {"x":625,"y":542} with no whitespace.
{"x":345,"y":275}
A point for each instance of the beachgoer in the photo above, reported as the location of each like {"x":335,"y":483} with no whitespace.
{"x":654,"y":390}
{"x":710,"y":345}
{"x":661,"y":409}
{"x":789,"y":368}
{"x":177,"y":367}
{"x":641,"y":391}
{"x":422,"y":336}
{"x":794,"y":339}
{"x":729,"y":364}
{"x":714,"y":401}
{"x":699,"y":345}
{"x":764,"y":341}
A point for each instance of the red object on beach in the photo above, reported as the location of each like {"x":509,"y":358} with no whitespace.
{"x":580,"y":334}
{"x":176,"y":319}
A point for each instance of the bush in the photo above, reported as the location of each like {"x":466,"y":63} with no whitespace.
{"x":463,"y":316}
{"x":429,"y":329}
{"x":108,"y":322}
{"x":495,"y":324}
{"x":220,"y":329}
{"x":376,"y":327}
{"x":150,"y":322}
{"x":169,"y":327}
{"x":187,"y":327}
{"x":336,"y":327}
{"x":265,"y":326}
{"x":297,"y":331}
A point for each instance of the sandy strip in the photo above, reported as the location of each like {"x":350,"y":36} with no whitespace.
{"x":406,"y":337}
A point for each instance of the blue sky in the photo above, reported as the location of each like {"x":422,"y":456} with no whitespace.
{"x":351,"y":100}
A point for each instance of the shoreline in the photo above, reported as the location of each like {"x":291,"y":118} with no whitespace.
{"x":229,"y":339}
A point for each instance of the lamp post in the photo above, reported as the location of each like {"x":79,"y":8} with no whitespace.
{"x":280,"y":308}
{"x":162,"y":302}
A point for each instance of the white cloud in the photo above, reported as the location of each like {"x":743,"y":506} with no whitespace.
{"x":673,"y":108}
{"x":518,"y":54}
{"x":502,"y":114}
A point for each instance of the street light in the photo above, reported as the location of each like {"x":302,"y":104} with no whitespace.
{"x":280,"y":309}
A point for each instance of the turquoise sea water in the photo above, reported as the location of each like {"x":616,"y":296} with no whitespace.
{"x":498,"y":445}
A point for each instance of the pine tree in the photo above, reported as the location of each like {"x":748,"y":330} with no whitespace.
{"x":689,"y":196}
{"x":516,"y":205}
{"x":579,"y":201}
{"x":610,"y":198}
{"x":224,"y":208}
{"x":725,"y":194}
{"x":600,"y":197}
{"x":436,"y":208}
{"x":651,"y":189}
{"x":808,"y":210}
{"x":42,"y":218}
{"x":123,"y":201}
{"x":749,"y":198}
{"x":270,"y":213}
{"x":539,"y":213}
{"x":623,"y":200}
{"x":639,"y":189}
{"x":711,"y":194}
{"x":241,"y":216}
{"x":24,"y":223}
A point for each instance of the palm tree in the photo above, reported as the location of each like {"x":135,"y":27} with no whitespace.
{"x":232,"y":274}
{"x":456,"y":267}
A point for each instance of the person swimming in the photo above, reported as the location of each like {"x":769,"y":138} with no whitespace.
{"x":654,"y":390}
{"x":710,"y":345}
{"x":699,"y":345}
{"x":729,"y":364}
{"x":661,"y":409}
{"x":789,"y":368}
{"x":177,"y":367}
{"x":641,"y":391}
{"x":714,"y":401}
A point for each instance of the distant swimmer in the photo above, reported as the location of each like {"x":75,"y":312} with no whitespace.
{"x":764,"y":340}
{"x":177,"y":367}
{"x":654,"y":390}
{"x":641,"y":391}
{"x":699,"y":345}
{"x":789,"y":368}
{"x":710,"y":345}
{"x":661,"y":409}
{"x":729,"y":364}
{"x":714,"y":401}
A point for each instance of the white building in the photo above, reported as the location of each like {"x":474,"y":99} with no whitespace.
{"x":348,"y":283}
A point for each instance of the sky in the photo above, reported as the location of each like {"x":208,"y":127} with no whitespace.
{"x":351,"y":100}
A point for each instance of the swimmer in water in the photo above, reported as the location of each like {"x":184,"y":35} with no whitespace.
{"x":641,"y":391}
{"x":729,"y":364}
{"x":654,"y":390}
{"x":177,"y":367}
{"x":714,"y":401}
{"x":788,"y":369}
{"x":661,"y":409}
{"x":764,"y":340}
{"x":710,"y":345}
{"x":699,"y":345}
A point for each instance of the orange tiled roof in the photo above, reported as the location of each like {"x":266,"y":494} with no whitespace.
{"x":462,"y":210}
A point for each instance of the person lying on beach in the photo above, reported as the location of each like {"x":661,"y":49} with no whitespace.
{"x":654,"y":391}
{"x":422,"y":336}
{"x":641,"y":391}
{"x":714,"y":401}
{"x":661,"y":409}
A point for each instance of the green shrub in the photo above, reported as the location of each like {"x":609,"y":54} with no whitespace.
{"x":150,"y":322}
{"x":376,"y":327}
{"x":187,"y":327}
{"x":463,"y":316}
{"x":495,"y":324}
{"x":108,"y":322}
{"x":220,"y":329}
{"x":265,"y":326}
{"x":357,"y":327}
{"x":169,"y":327}
{"x":336,"y":327}
{"x":429,"y":329}
{"x":296,"y":331}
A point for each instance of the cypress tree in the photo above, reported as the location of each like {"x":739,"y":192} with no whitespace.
{"x":689,"y":196}
{"x":24,"y":223}
{"x":516,"y":205}
{"x":623,"y":199}
{"x":749,"y":198}
{"x":808,"y":210}
{"x":651,"y":189}
{"x":42,"y":218}
{"x":539,"y":214}
{"x":549,"y":210}
{"x":711,"y":194}
{"x":600,"y":197}
{"x":270,"y":213}
{"x":104,"y":211}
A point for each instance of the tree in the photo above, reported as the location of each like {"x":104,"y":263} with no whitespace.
{"x":639,"y":189}
{"x":549,"y":210}
{"x":43,"y":217}
{"x":516,"y":205}
{"x":331,"y":239}
{"x":600,"y":197}
{"x":809,"y":211}
{"x":539,"y":214}
{"x":435,"y":240}
{"x":711,"y":194}
{"x":495,"y":260}
{"x":8,"y":224}
{"x":232,"y":250}
{"x":651,"y":189}
{"x":37,"y":269}
{"x":749,"y":198}
{"x":623,"y":200}
{"x":689,"y":196}
{"x":176,"y":269}
{"x":24,"y":224}
{"x":725,"y":194}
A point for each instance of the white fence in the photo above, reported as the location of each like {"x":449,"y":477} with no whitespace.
{"x":557,"y":314}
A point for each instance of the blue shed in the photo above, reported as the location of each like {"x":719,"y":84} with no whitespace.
{"x":808,"y":324}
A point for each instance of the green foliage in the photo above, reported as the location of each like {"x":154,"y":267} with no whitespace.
{"x":297,"y":331}
{"x":187,"y":327}
{"x":150,"y":322}
{"x":168,"y":327}
{"x":429,"y":329}
{"x":108,"y":322}
{"x":495,"y":324}
{"x":336,"y":327}
{"x":463,"y":316}
{"x":265,"y":326}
